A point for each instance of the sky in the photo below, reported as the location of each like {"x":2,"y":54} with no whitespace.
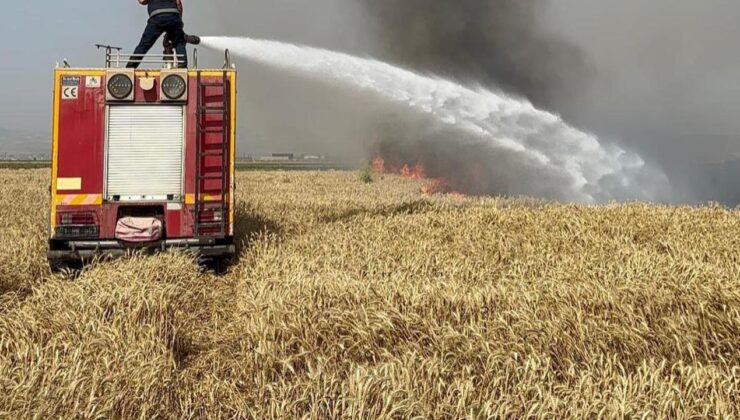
{"x":680,"y":56}
{"x":38,"y":34}
{"x":35,"y":35}
{"x":663,"y":76}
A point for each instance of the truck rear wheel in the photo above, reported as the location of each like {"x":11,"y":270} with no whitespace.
{"x":57,"y":266}
{"x":217,"y":264}
{"x":64,"y":266}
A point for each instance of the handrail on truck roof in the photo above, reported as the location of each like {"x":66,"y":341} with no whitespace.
{"x":114,"y":58}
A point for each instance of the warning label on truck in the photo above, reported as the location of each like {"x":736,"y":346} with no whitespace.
{"x":70,"y":80}
{"x":70,"y":92}
{"x":92,"y":82}
{"x":70,"y":87}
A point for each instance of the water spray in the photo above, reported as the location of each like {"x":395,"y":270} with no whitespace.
{"x":561,"y":162}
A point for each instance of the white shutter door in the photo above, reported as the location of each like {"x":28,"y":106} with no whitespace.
{"x":145,"y":152}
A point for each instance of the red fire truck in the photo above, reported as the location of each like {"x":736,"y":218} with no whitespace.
{"x":142,"y":159}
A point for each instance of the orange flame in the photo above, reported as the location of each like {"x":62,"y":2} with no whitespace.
{"x":418,"y":172}
{"x":439,"y":186}
{"x":379,"y":165}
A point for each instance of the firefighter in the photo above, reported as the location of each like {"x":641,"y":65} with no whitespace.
{"x":165,"y":16}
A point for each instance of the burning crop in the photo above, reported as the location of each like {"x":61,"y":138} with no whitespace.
{"x":416,"y":171}
{"x":373,"y":300}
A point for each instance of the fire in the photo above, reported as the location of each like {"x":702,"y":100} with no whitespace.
{"x":415,"y":172}
{"x":379,"y":165}
{"x":438,"y":186}
{"x":418,"y":172}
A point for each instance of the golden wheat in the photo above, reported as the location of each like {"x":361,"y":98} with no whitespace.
{"x":370,"y":300}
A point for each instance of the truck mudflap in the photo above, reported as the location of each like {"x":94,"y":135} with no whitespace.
{"x":82,"y":251}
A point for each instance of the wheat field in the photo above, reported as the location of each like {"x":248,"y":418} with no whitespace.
{"x":355,"y":299}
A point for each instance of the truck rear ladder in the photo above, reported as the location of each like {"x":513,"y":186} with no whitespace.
{"x":212,"y":168}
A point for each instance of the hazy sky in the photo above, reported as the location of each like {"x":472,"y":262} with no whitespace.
{"x":666,"y":71}
{"x":36,"y":34}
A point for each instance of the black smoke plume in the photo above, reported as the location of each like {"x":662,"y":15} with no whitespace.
{"x":494,"y":42}
{"x":658,"y":77}
{"x":653,"y":76}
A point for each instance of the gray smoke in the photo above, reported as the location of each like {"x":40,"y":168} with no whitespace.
{"x":495,"y":42}
{"x":666,"y":84}
{"x":658,"y":77}
{"x":277,"y":111}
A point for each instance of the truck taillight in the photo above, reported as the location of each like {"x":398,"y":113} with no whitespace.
{"x":77,"y":225}
{"x":211,"y":216}
{"x":78,"y":218}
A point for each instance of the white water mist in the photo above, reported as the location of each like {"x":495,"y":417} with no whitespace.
{"x":550,"y":158}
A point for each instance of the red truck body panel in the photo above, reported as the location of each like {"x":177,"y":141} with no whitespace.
{"x":80,"y":118}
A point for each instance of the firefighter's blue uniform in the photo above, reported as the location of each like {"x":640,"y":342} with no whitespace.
{"x":164,"y":17}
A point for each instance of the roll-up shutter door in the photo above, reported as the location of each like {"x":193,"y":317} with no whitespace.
{"x":145,"y":152}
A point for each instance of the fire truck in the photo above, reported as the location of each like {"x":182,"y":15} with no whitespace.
{"x":142,"y":159}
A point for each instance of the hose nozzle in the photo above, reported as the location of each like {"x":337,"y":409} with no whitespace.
{"x":189,"y":39}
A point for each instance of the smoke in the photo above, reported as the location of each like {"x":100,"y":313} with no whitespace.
{"x":658,"y":77}
{"x":277,"y":111}
{"x":519,"y":150}
{"x":665,"y":83}
{"x":495,"y":42}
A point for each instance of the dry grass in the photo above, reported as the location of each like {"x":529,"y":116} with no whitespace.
{"x":356,"y":299}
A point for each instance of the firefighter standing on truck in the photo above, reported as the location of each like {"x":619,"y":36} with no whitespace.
{"x":165,"y":16}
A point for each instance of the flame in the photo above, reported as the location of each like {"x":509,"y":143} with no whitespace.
{"x":438,"y":186}
{"x":378,"y":165}
{"x":418,"y":172}
{"x":415,"y":172}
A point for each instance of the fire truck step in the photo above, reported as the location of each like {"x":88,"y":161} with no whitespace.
{"x":213,"y":153}
{"x":211,"y":176}
{"x":212,"y":84}
{"x":206,"y":225}
{"x":210,"y":221}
